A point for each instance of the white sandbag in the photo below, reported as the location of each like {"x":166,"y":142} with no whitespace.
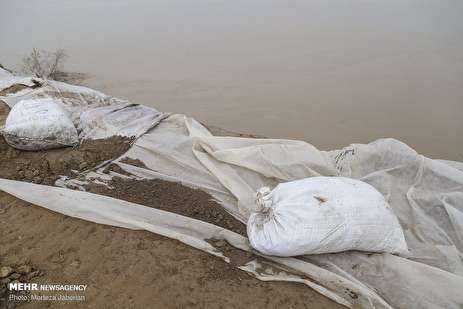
{"x":39,"y":124}
{"x":324,"y":215}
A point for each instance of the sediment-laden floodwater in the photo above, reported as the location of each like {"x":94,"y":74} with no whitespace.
{"x":328,"y":72}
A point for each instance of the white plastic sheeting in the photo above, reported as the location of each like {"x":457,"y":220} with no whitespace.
{"x":426,"y":195}
{"x":106,"y":210}
{"x":94,"y":114}
{"x":4,"y":74}
{"x":7,"y":80}
{"x":120,"y":119}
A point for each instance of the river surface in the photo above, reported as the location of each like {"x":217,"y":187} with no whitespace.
{"x":327,"y":72}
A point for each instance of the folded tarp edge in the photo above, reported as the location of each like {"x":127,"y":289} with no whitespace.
{"x":110,"y":211}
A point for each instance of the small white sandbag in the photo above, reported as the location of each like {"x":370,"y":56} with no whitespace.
{"x":39,"y":124}
{"x":324,"y":215}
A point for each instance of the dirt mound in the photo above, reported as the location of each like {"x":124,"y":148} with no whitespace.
{"x":46,"y":166}
{"x":4,"y":110}
{"x":170,"y":196}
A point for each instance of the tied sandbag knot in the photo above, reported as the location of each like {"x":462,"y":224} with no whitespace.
{"x":264,"y":200}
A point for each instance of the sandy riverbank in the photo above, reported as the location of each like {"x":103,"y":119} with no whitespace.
{"x":125,"y":268}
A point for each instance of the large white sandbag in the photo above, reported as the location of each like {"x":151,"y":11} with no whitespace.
{"x":324,"y":215}
{"x":39,"y":124}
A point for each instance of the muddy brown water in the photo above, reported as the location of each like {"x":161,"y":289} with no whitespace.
{"x":328,"y":72}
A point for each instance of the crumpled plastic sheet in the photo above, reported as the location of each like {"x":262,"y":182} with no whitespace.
{"x":110,"y":211}
{"x":425,"y":194}
{"x":94,"y":114}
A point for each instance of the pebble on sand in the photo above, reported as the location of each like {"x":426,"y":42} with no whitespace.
{"x":5,"y":271}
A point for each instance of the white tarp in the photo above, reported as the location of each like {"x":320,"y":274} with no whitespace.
{"x":425,"y":194}
{"x":94,"y":114}
{"x":106,"y":210}
{"x":4,"y":74}
{"x":7,"y":80}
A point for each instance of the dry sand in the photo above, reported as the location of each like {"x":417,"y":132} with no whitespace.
{"x":125,"y":268}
